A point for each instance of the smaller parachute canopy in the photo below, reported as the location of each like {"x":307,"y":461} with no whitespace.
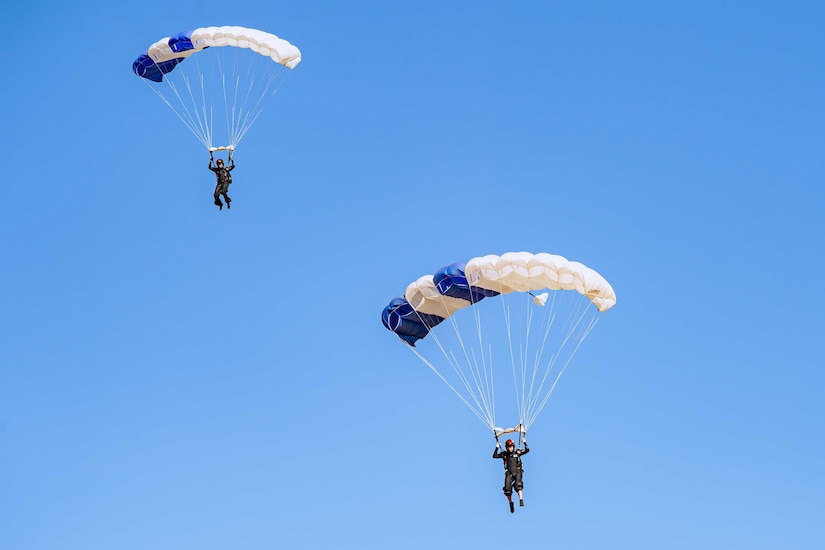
{"x":164,"y":55}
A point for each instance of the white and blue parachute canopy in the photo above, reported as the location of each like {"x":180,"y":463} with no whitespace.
{"x":165,"y":54}
{"x":431,"y":299}
{"x":216,"y":79}
{"x":518,"y":316}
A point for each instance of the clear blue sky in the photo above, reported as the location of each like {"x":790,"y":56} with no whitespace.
{"x":175,"y":377}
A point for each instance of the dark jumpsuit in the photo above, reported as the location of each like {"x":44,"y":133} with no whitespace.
{"x":512,"y":468}
{"x":223,"y":180}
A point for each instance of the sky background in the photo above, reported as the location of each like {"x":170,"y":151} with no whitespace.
{"x":172,"y":376}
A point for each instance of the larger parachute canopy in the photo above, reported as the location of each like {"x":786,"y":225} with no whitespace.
{"x":432,"y":298}
{"x":487,"y":314}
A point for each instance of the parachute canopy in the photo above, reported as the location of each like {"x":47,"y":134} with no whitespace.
{"x":164,"y":55}
{"x":432,"y":298}
{"x":527,"y":334}
{"x":229,"y":71}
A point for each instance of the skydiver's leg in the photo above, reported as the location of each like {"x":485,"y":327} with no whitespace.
{"x":224,"y":190}
{"x":508,"y":490}
{"x":217,"y":195}
{"x":508,"y":485}
{"x":519,"y":486}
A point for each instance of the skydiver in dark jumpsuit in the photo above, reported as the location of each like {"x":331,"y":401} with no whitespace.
{"x":512,"y":470}
{"x":224,"y":178}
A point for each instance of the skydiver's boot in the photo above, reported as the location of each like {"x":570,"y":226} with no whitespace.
{"x":512,"y":507}
{"x":521,"y":502}
{"x":228,"y":200}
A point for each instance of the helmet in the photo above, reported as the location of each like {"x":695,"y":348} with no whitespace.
{"x":509,"y":442}
{"x":220,"y":161}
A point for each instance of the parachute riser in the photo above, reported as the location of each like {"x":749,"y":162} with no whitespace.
{"x":522,"y":433}
{"x":498,"y":432}
{"x":230,"y":148}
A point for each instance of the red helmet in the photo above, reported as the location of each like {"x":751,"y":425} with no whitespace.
{"x":509,"y":442}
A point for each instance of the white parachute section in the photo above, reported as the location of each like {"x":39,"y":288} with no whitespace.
{"x":520,"y":341}
{"x":217,"y":79}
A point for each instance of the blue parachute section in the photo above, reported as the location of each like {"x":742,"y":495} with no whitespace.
{"x":410,"y":325}
{"x":146,"y":67}
{"x":181,"y":42}
{"x":450,"y":281}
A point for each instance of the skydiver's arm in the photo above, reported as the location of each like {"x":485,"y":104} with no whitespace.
{"x":231,"y":165}
{"x":498,"y":453}
{"x":526,"y":449}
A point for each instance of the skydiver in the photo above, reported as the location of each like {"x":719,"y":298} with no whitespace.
{"x":512,"y":470}
{"x":224,"y":178}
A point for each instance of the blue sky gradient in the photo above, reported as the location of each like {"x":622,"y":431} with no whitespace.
{"x":174,"y":377}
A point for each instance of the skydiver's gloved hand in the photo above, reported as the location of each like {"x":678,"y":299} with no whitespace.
{"x":498,"y":444}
